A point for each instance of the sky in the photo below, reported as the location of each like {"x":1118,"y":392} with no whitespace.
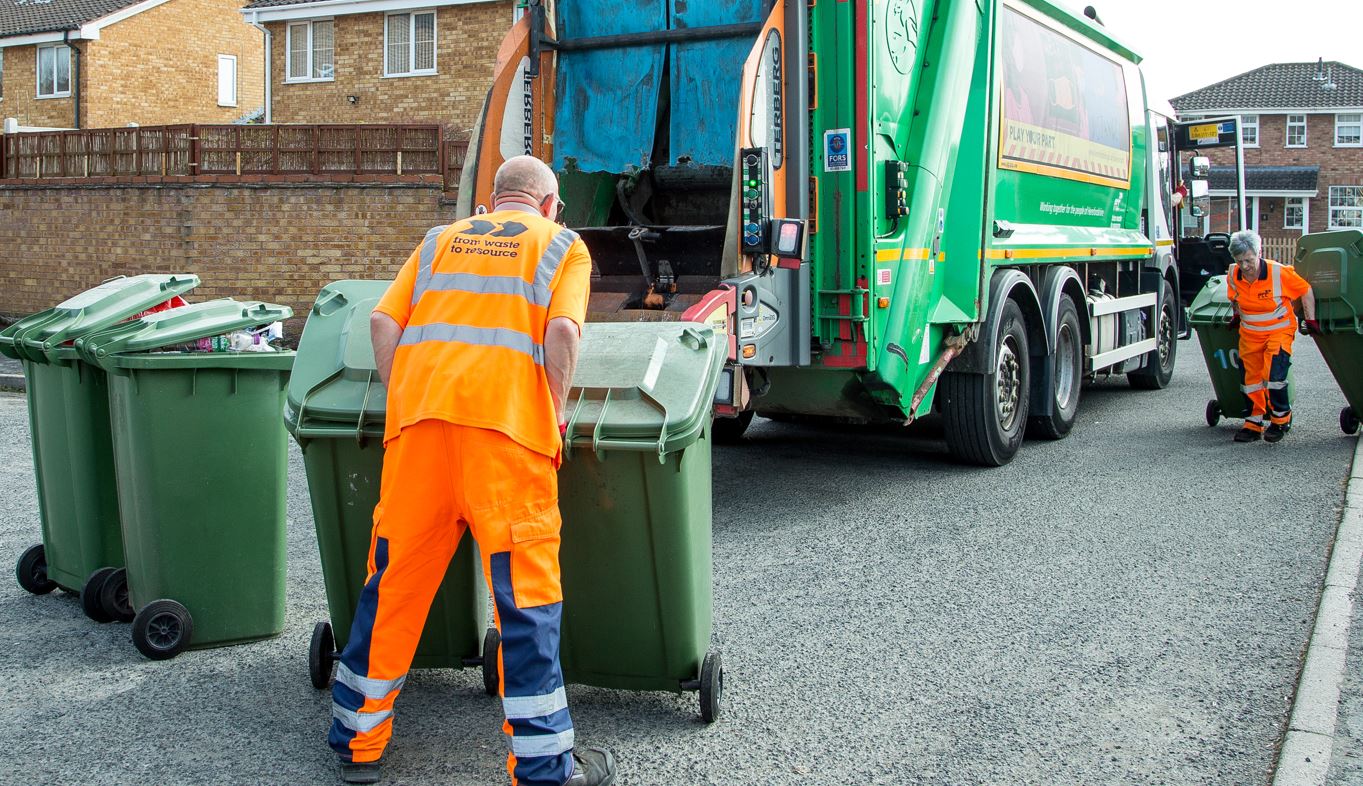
{"x":1189,"y":44}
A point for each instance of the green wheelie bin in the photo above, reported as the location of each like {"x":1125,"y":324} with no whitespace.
{"x":1210,"y":316}
{"x":335,"y":410}
{"x":201,"y":460}
{"x":68,"y":407}
{"x":1332,"y":263}
{"x":635,"y":491}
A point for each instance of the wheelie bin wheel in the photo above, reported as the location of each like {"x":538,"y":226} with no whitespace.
{"x":492,"y":647}
{"x":90,"y":595}
{"x":711,"y":686}
{"x":1213,"y":413}
{"x":31,"y":571}
{"x":1348,"y":420}
{"x":322,"y":656}
{"x":161,"y":630}
{"x":113,"y":596}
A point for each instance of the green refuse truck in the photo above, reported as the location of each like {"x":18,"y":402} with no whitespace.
{"x":889,"y":208}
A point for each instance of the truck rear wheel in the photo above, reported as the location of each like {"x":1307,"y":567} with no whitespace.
{"x":1159,"y":365}
{"x":984,"y":415}
{"x":1066,"y":377}
{"x":729,"y":431}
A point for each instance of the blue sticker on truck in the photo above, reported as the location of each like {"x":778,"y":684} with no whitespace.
{"x":837,"y":150}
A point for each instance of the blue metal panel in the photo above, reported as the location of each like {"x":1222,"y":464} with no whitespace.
{"x":607,"y":99}
{"x":705,"y":78}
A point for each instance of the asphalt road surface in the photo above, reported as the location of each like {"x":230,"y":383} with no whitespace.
{"x":1126,"y":606}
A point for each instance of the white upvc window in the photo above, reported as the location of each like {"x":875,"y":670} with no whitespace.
{"x":310,"y":51}
{"x":1349,"y":130}
{"x":1294,"y":213}
{"x":1249,"y":130}
{"x":1346,"y":207}
{"x":409,"y":44}
{"x":1296,"y":130}
{"x":54,"y":71}
{"x":227,"y":80}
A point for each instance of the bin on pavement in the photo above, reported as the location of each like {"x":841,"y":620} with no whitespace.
{"x":1210,"y":316}
{"x":634,"y":491}
{"x":201,"y":462}
{"x":1332,"y":263}
{"x":68,"y":408}
{"x":336,"y":407}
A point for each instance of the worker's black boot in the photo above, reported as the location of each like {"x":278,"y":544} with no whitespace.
{"x":360,"y":772}
{"x":1275,"y":433}
{"x":1247,"y":435}
{"x":592,"y":767}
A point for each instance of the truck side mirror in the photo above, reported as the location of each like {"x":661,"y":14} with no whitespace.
{"x":1202,"y":167}
{"x":1200,"y":203}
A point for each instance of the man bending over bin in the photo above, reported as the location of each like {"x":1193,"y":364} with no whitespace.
{"x":1261,"y":292}
{"x":477,"y":340}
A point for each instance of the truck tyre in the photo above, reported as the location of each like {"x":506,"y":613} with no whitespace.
{"x":1067,"y":376}
{"x":984,"y":415}
{"x":729,"y":431}
{"x":1159,"y":368}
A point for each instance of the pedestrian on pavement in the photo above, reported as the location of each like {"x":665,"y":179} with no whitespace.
{"x":1261,"y":293}
{"x":476,"y":340}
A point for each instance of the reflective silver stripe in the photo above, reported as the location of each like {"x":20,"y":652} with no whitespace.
{"x":534,"y":706}
{"x":1269,"y":328}
{"x":1275,"y":275}
{"x":1251,"y":388}
{"x":1265,"y":317}
{"x":553,"y":257}
{"x":1257,"y":419}
{"x":1282,"y":414}
{"x":368,"y":687}
{"x":426,"y":262}
{"x":466,"y":334}
{"x":360,"y":721}
{"x":542,"y":745}
{"x":489,"y":285}
{"x":1276,"y":385}
{"x":1230,"y":281}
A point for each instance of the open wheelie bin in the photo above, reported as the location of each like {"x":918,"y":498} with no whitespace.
{"x":336,"y":407}
{"x":635,"y":492}
{"x":1332,"y":263}
{"x":68,"y":407}
{"x":201,"y":461}
{"x":1210,"y":316}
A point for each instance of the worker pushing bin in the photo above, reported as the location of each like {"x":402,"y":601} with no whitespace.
{"x":336,"y":407}
{"x":201,"y":462}
{"x":1210,"y":316}
{"x":68,"y":405}
{"x":1332,"y":263}
{"x":634,"y":492}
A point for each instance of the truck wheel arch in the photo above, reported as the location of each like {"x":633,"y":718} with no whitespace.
{"x":979,"y":357}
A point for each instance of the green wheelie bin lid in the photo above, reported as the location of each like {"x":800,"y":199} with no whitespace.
{"x":43,"y":337}
{"x":335,"y":387}
{"x":179,"y":326}
{"x":1212,"y":304}
{"x":1332,"y":263}
{"x":643,"y":386}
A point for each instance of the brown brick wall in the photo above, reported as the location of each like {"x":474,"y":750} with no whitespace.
{"x":21,"y":91}
{"x":280,"y":244}
{"x":1338,"y":166}
{"x":161,"y":66}
{"x":467,"y":38}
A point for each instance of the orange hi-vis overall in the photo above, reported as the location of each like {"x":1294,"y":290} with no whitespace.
{"x":1267,"y":327}
{"x":472,"y":442}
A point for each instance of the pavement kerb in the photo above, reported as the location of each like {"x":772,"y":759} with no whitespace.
{"x":1305,"y":756}
{"x":12,"y":382}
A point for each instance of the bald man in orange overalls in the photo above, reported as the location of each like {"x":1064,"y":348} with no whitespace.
{"x":477,"y":340}
{"x":1261,"y":292}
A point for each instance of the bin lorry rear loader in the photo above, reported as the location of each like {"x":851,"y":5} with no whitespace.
{"x":890,"y":207}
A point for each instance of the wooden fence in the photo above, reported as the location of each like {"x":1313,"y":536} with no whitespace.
{"x":1281,"y":249}
{"x":215,"y":150}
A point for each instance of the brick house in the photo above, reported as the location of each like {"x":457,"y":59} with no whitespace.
{"x":1302,"y":131}
{"x":380,"y":61}
{"x":107,"y":63}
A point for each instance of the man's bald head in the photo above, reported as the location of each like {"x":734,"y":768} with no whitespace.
{"x":524,"y":175}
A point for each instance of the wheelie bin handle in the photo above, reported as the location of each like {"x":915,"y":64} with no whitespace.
{"x":599,"y":442}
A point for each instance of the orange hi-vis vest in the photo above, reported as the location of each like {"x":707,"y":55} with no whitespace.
{"x":1266,"y":304}
{"x":478,"y":301}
